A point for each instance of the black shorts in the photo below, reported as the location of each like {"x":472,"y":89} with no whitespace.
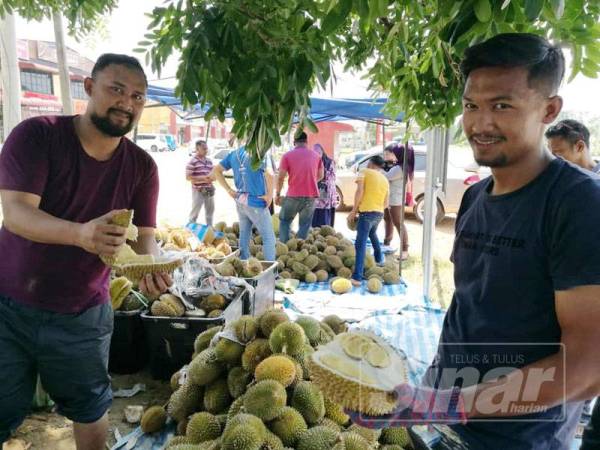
{"x":68,"y":351}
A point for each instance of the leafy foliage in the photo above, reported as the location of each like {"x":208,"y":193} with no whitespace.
{"x":261,"y":60}
{"x":82,"y":15}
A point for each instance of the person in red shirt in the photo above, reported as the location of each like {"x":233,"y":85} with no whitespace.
{"x":304,"y":167}
{"x":62,"y":178}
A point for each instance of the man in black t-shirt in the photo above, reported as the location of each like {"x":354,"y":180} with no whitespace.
{"x":518,"y":353}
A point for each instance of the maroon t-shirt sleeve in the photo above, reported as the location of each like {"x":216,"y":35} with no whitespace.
{"x":24,"y":159}
{"x":145,"y":198}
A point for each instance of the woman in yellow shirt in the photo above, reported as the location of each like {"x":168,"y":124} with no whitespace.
{"x":370,"y":201}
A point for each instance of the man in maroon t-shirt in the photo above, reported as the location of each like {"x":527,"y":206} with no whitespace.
{"x":61,"y":180}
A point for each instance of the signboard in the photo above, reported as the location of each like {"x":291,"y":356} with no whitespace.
{"x":22,"y":49}
{"x":47,"y":52}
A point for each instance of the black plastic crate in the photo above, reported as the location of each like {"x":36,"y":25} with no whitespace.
{"x":170,"y":340}
{"x":128,"y":352}
{"x":264,"y":289}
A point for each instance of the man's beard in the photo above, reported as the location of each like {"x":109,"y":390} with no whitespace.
{"x":498,"y":161}
{"x":110,"y":129}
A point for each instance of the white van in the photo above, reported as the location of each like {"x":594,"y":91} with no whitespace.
{"x":152,"y":142}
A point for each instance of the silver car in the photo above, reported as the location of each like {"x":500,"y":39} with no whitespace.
{"x":459,"y":179}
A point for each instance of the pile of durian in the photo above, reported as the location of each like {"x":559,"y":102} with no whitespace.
{"x":169,"y":305}
{"x":254,"y":392}
{"x":235,"y":267}
{"x":325,"y":254}
{"x":181,"y":239}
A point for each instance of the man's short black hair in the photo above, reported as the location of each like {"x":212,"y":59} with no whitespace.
{"x":107,"y":59}
{"x":569,"y":130}
{"x":301,"y":137}
{"x":200,"y":142}
{"x":544,"y":61}
{"x":377,"y":160}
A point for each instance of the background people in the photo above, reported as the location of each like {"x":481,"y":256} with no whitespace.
{"x":304,"y":168}
{"x":327,"y":202}
{"x":203,"y":193}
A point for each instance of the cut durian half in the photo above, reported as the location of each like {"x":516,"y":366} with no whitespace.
{"x":363,"y":384}
{"x":136,"y":270}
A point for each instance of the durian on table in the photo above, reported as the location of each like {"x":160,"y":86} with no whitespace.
{"x":127,"y":262}
{"x":359,"y":370}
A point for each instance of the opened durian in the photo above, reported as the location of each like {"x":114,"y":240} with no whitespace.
{"x":127,"y":262}
{"x":359,"y":371}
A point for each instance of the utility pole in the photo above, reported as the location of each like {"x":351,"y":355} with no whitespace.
{"x":11,"y":82}
{"x":63,"y":66}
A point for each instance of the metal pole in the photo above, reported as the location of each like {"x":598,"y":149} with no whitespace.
{"x":63,"y":66}
{"x":437,"y":144}
{"x":403,"y":197}
{"x":11,"y":82}
{"x":383,"y":135}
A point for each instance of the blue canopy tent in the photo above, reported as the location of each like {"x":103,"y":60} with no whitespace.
{"x":322,"y":109}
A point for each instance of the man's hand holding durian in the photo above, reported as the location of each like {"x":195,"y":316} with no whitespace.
{"x":418,"y":405}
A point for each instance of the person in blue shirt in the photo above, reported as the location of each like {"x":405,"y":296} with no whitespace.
{"x":518,"y":352}
{"x":253,"y":194}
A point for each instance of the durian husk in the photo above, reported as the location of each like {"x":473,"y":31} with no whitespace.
{"x":122,"y":219}
{"x":136,"y":271}
{"x":356,"y":384}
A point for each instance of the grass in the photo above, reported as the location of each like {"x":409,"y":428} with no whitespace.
{"x":442,"y":283}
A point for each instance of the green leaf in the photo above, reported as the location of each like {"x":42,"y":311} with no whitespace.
{"x":311,"y":125}
{"x":533,"y":8}
{"x":382,"y":6}
{"x":483,"y":10}
{"x":336,"y":17}
{"x":363,"y":9}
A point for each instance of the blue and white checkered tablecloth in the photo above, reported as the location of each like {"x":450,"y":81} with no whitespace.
{"x":415,"y":330}
{"x":317,"y":300}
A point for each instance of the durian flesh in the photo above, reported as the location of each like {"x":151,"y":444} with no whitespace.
{"x":359,"y":371}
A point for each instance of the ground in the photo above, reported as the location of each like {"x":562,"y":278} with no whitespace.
{"x":49,"y":431}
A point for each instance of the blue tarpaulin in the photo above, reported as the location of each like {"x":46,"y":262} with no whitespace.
{"x":322,"y":109}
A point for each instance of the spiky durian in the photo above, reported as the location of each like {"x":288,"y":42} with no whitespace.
{"x":288,"y":426}
{"x":288,"y":338}
{"x":255,"y":352}
{"x":307,"y":399}
{"x":202,"y":426}
{"x":266,"y":399}
{"x":154,"y":419}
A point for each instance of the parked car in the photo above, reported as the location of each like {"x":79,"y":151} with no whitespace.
{"x":350,"y":160}
{"x":152,"y":142}
{"x":459,"y":179}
